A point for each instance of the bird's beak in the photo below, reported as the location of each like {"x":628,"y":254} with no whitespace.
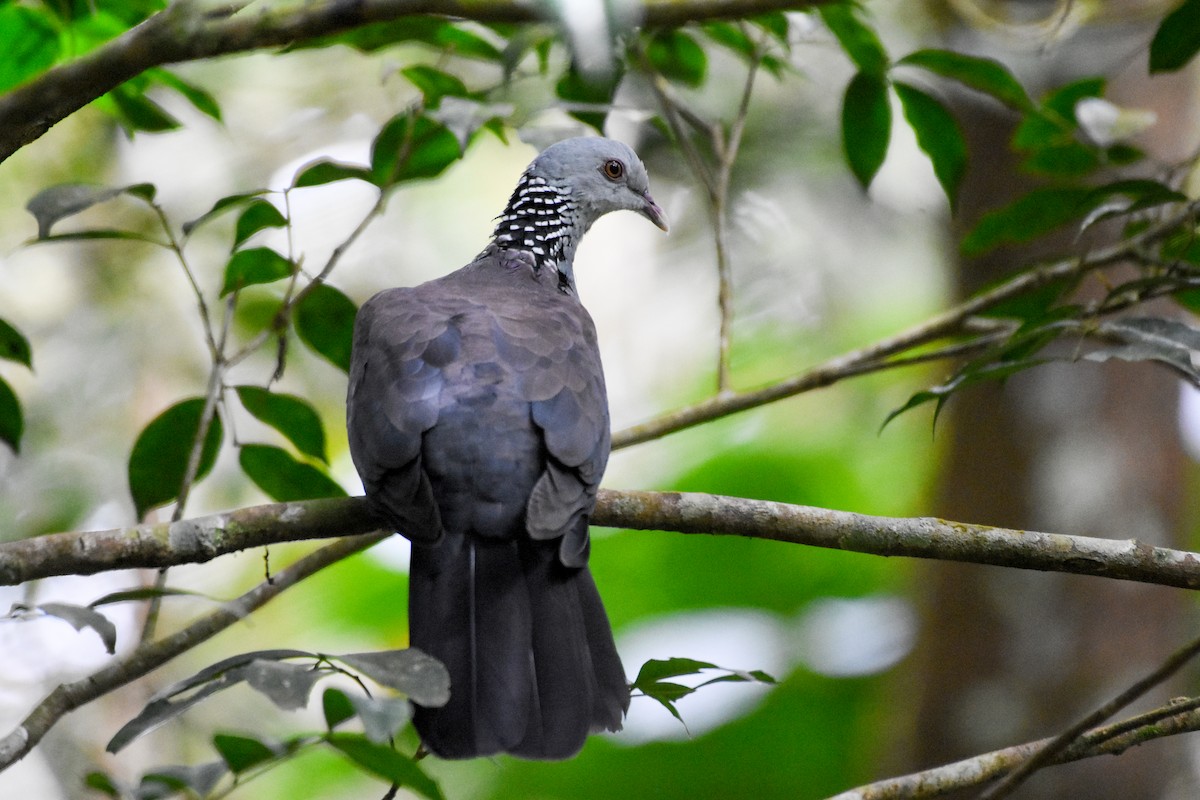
{"x":653,"y":212}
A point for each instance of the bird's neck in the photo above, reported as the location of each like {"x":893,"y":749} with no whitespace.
{"x":541,"y":219}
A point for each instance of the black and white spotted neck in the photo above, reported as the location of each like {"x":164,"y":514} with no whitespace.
{"x":543,"y":220}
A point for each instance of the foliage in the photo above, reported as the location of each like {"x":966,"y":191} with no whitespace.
{"x":1021,"y":322}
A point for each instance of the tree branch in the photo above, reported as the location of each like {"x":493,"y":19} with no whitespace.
{"x":190,"y":30}
{"x":204,"y":538}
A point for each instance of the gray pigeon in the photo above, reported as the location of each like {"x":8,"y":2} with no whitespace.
{"x":478,"y":421}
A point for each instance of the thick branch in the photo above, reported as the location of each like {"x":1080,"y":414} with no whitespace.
{"x":204,"y":538}
{"x":191,"y":30}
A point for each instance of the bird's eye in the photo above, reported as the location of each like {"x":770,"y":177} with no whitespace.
{"x":613,"y":170}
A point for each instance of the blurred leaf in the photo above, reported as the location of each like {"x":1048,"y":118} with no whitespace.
{"x":580,"y":90}
{"x":434,"y":84}
{"x":159,"y":458}
{"x":677,"y":57}
{"x":1167,"y":341}
{"x":324,"y":320}
{"x":1177,"y":39}
{"x":254,"y":265}
{"x":160,"y":711}
{"x":139,"y":113}
{"x":866,"y":125}
{"x":67,"y":199}
{"x":219,"y":207}
{"x":286,"y":685}
{"x":12,"y":422}
{"x":225,"y":665}
{"x":103,"y":233}
{"x":200,"y":780}
{"x":283,"y":478}
{"x":421,"y":677}
{"x":242,"y":752}
{"x":858,"y":40}
{"x":257,"y":216}
{"x":938,"y":135}
{"x":324,"y":171}
{"x":82,"y":617}
{"x":982,"y":74}
{"x":1070,"y":160}
{"x":441,"y":34}
{"x":1026,"y":218}
{"x":29,"y":44}
{"x":290,"y":415}
{"x":1030,"y":305}
{"x":731,"y":36}
{"x":101,"y":782}
{"x":143,"y":593}
{"x":14,"y":346}
{"x":1062,"y":101}
{"x":385,"y":762}
{"x":337,"y":707}
{"x":382,"y":717}
{"x":774,"y":23}
{"x":200,"y":99}
{"x":407,"y":149}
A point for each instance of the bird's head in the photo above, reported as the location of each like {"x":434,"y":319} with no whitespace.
{"x":601,"y":175}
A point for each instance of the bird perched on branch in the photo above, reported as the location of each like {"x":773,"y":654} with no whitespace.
{"x":478,"y":422}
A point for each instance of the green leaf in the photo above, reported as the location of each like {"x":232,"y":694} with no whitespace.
{"x":200,"y":99}
{"x":1068,"y":160}
{"x":420,"y":676}
{"x":12,"y":422}
{"x":324,"y":320}
{"x":67,"y":199}
{"x":407,"y":149}
{"x":677,"y":57}
{"x":385,"y":762}
{"x":139,"y":113}
{"x":103,"y":233}
{"x":168,"y":781}
{"x":257,"y":216}
{"x":252,"y":266}
{"x":283,"y":478}
{"x":29,"y":43}
{"x":1177,"y":39}
{"x":290,"y":415}
{"x":866,"y":125}
{"x":982,"y":74}
{"x":159,"y":458}
{"x":101,"y":782}
{"x":1062,"y":101}
{"x":14,"y":346}
{"x":1026,"y":218}
{"x":337,"y":707}
{"x":324,"y":171}
{"x":580,"y":91}
{"x":441,"y":34}
{"x":143,"y":593}
{"x":655,"y":670}
{"x":82,"y":617}
{"x":938,"y":135}
{"x":286,"y":685}
{"x":1166,"y":341}
{"x":434,"y":84}
{"x":858,"y":39}
{"x":219,"y":207}
{"x":242,"y":752}
{"x":972,"y":375}
{"x":732,"y":37}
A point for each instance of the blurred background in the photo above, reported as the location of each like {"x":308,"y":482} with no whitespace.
{"x":884,"y":666}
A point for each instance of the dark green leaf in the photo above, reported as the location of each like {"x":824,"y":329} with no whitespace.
{"x":677,"y":57}
{"x":283,"y":478}
{"x":219,"y":207}
{"x":982,"y":74}
{"x":337,"y":707}
{"x":101,"y":782}
{"x":1031,"y":305}
{"x":324,"y":171}
{"x":67,"y":199}
{"x":1071,"y":159}
{"x":14,"y":346}
{"x":252,"y":266}
{"x":1167,"y":341}
{"x":435,"y":84}
{"x":143,"y":593}
{"x":382,"y":717}
{"x":103,"y":233}
{"x":290,"y":415}
{"x":159,"y":458}
{"x":732,"y":37}
{"x":858,"y":39}
{"x":227,"y":665}
{"x":12,"y":422}
{"x":421,"y":677}
{"x":257,"y":216}
{"x":200,"y":99}
{"x":1177,"y":39}
{"x":1030,"y":216}
{"x":776,"y":24}
{"x":938,"y":135}
{"x":324,"y":320}
{"x":441,"y":34}
{"x":655,"y":670}
{"x":29,"y":43}
{"x":241,"y":752}
{"x":200,"y":780}
{"x":385,"y":762}
{"x":287,"y":685}
{"x":971,"y":376}
{"x":588,"y":98}
{"x":1062,"y":101}
{"x":866,"y":125}
{"x":139,"y":113}
{"x":158,"y":712}
{"x":407,"y":149}
{"x":82,"y":617}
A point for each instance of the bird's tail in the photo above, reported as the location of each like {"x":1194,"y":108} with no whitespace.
{"x":533,"y":668}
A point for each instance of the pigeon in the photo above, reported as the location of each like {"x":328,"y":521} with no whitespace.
{"x":478,"y":421}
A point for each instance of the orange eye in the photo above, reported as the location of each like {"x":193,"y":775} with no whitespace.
{"x":613,"y":170}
